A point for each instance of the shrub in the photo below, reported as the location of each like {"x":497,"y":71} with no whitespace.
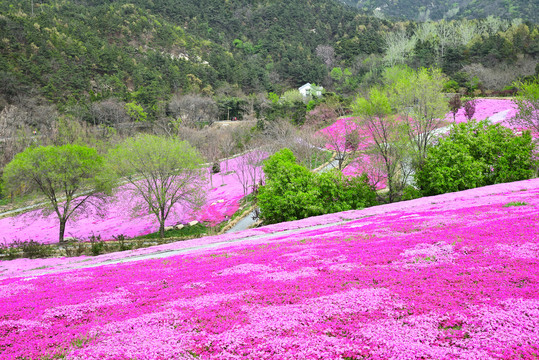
{"x":9,"y":251}
{"x":515,"y":203}
{"x":476,"y":154}
{"x":469,"y":108}
{"x":28,"y":249}
{"x":32,"y":249}
{"x":97,"y":246}
{"x":410,"y":193}
{"x":122,"y":245}
{"x":293,"y":192}
{"x":74,"y":248}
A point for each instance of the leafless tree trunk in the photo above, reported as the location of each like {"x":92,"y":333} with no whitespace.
{"x":193,"y":110}
{"x":211,"y":150}
{"x":344,"y":141}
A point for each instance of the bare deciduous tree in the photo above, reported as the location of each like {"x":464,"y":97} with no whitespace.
{"x":499,"y":76}
{"x":527,"y":102}
{"x":343,"y":141}
{"x":193,"y":110}
{"x":110,"y":112}
{"x":227,"y":145}
{"x":308,"y":148}
{"x":210,"y":148}
{"x":327,"y":54}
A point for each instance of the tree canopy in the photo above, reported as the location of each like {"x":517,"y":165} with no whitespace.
{"x":71,"y":177}
{"x":293,"y":192}
{"x":476,"y":154}
{"x":527,"y":101}
{"x":161,"y":173}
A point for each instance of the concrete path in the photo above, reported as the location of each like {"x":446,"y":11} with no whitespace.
{"x":245,"y":223}
{"x":160,"y":253}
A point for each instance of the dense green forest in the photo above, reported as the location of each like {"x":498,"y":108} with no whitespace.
{"x":75,"y":54}
{"x":423,"y":10}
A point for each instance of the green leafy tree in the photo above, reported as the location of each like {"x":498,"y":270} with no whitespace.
{"x":293,"y":192}
{"x":337,"y":192}
{"x":448,"y":168}
{"x":71,"y":177}
{"x":161,"y":172}
{"x":376,"y":119}
{"x":419,"y":98}
{"x":288,"y":193}
{"x":476,"y":154}
{"x":136,"y":111}
{"x":231,"y":107}
{"x":527,"y":101}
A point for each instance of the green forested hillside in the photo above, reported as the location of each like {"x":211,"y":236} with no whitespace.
{"x":423,"y":10}
{"x":72,"y":52}
{"x":143,"y":52}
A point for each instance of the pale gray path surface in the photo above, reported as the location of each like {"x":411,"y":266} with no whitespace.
{"x":244,"y":223}
{"x":21,"y":210}
{"x":160,"y":254}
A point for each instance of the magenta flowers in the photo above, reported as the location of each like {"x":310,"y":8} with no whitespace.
{"x":453,"y":276}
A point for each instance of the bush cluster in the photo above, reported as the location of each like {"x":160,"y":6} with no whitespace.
{"x":476,"y":154}
{"x":293,"y":192}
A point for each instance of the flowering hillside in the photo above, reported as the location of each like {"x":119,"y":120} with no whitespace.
{"x":498,"y":111}
{"x":222,"y":202}
{"x":223,"y":199}
{"x":453,"y":276}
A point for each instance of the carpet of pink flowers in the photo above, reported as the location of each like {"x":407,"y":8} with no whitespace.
{"x":223,"y":201}
{"x":454,"y":276}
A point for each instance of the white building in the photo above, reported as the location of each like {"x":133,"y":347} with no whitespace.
{"x":311,"y":90}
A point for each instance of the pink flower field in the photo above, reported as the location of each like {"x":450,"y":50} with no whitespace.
{"x":454,"y":276}
{"x":223,"y":201}
{"x":498,"y":111}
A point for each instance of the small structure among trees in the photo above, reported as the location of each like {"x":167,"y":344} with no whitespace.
{"x":310,"y":90}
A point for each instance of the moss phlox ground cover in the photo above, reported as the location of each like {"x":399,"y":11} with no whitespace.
{"x":453,"y":276}
{"x":223,"y":198}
